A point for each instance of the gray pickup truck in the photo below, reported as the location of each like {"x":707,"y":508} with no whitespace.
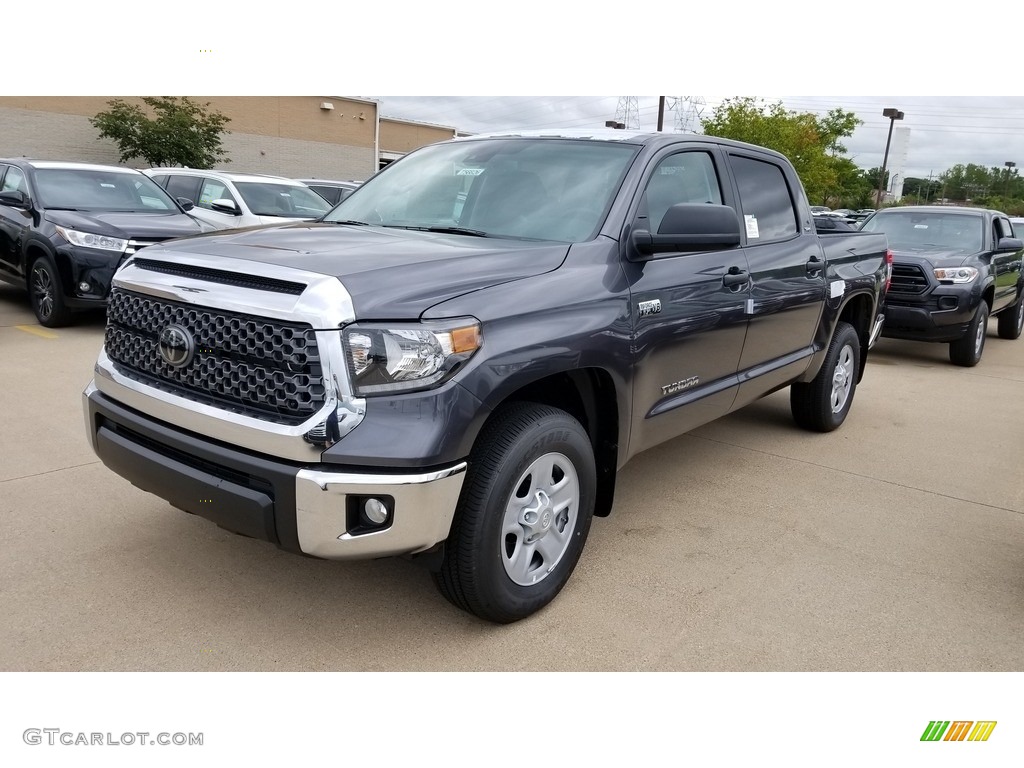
{"x":954,"y":267}
{"x":455,"y":362}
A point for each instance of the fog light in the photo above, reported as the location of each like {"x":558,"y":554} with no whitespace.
{"x":375,"y":511}
{"x":83,"y":287}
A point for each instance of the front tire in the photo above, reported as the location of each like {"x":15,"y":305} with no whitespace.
{"x":46,"y":295}
{"x":821,"y":405}
{"x":1011,"y":319}
{"x":966,"y":350}
{"x":524,"y":514}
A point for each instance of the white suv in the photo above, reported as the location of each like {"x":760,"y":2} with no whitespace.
{"x":230,"y":200}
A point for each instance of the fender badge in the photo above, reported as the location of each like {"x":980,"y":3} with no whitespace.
{"x":645,"y":308}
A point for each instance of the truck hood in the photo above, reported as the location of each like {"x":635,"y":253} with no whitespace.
{"x":164,"y":224}
{"x":391,"y":274}
{"x":929,"y":259}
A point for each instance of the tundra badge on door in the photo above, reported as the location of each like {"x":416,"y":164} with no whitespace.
{"x":645,"y":308}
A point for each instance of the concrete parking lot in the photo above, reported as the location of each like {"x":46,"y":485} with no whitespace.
{"x":895,"y":543}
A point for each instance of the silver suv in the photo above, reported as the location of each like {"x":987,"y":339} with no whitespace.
{"x":229,"y":200}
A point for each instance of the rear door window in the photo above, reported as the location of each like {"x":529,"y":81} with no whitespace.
{"x":766,"y":202}
{"x":331,"y":194}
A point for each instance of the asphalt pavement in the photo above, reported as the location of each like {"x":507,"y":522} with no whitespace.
{"x":893,"y":544}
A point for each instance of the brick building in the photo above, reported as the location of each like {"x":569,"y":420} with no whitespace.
{"x":298,"y":136}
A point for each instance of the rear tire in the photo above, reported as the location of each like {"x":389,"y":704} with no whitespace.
{"x":967,"y":350}
{"x":46,"y":294}
{"x":524,"y":514}
{"x":1011,"y":319}
{"x":821,"y":405}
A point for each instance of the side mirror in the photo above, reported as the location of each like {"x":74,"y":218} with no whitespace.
{"x":185,"y":203}
{"x":225,"y":206}
{"x":690,"y":227}
{"x":1009,"y":244}
{"x":14,"y":198}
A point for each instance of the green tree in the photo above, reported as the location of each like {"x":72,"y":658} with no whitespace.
{"x":811,"y":143}
{"x":182,"y":132}
{"x":970,"y":182}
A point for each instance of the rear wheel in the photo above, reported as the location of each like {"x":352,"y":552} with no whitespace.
{"x":524,"y":515}
{"x":966,"y":350}
{"x":1011,"y":319}
{"x":822,"y":404}
{"x":45,"y":294}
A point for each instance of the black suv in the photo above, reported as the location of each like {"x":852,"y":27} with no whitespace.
{"x":66,"y":227}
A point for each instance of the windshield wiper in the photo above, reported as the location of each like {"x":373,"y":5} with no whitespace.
{"x":456,"y":231}
{"x":443,"y":230}
{"x":345,"y":221}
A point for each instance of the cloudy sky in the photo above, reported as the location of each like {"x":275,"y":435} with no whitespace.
{"x":954,"y":62}
{"x":943,"y":130}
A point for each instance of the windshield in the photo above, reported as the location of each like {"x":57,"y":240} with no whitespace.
{"x":539,"y":189}
{"x":265,"y":198}
{"x":917,"y":231}
{"x":83,"y":189}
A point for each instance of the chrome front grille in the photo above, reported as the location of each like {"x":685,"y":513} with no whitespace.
{"x":250,"y":365}
{"x":141,"y":242}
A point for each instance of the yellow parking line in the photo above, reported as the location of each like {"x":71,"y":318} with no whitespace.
{"x":37,"y":331}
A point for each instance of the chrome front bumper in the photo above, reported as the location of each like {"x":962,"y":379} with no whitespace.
{"x":301,"y":508}
{"x":424,"y":506}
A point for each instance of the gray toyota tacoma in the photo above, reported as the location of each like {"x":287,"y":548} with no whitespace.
{"x":455,"y":362}
{"x":953,"y":269}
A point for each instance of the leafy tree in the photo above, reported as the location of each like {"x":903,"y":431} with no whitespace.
{"x":923,"y":190}
{"x":853,"y":187}
{"x":182,"y":132}
{"x":970,"y":182}
{"x":811,"y":143}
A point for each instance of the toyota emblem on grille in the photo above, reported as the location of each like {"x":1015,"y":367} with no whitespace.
{"x":176,"y":346}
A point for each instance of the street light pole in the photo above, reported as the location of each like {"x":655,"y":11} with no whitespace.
{"x":1010,"y":165}
{"x":893,"y":115}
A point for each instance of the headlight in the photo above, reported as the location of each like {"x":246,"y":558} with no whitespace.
{"x":89,"y":240}
{"x":402,"y":359}
{"x":956,"y":274}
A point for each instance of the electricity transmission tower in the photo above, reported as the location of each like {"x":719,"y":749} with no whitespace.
{"x":628,"y":112}
{"x":689,"y":112}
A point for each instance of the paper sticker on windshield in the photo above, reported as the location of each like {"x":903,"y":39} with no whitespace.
{"x":751,"y":222}
{"x":469,"y":171}
{"x":920,"y":226}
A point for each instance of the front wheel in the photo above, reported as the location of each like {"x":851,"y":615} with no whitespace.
{"x":822,"y":404}
{"x":524,"y":514}
{"x":46,"y":295}
{"x":966,"y":350}
{"x":1011,"y":319}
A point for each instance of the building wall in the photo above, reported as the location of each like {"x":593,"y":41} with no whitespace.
{"x":401,"y":136}
{"x":285,"y":135}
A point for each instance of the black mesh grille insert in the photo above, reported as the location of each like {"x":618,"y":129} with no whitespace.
{"x":255,"y":366}
{"x":908,"y":278}
{"x":211,"y":275}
